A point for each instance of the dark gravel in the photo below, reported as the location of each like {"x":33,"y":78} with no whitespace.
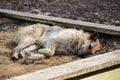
{"x":98,"y":11}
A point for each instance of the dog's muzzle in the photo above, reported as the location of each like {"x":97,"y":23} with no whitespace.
{"x":81,"y":52}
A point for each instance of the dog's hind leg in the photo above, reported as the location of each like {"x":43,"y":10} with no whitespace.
{"x":32,"y":57}
{"x":23,"y":43}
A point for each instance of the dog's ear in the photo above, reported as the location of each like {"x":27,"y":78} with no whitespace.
{"x":96,"y":46}
{"x":97,"y":40}
{"x":98,"y":43}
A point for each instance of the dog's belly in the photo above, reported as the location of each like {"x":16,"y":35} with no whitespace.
{"x":48,"y":34}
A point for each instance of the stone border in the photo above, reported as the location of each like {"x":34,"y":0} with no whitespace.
{"x":75,"y":68}
{"x":61,"y":21}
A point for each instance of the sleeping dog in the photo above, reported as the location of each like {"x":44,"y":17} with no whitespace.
{"x":48,"y":41}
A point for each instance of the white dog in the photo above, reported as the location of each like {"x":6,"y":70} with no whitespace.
{"x":48,"y":41}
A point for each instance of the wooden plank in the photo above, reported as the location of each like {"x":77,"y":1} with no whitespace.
{"x":61,"y":21}
{"x":75,"y":68}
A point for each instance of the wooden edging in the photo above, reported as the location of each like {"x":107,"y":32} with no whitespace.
{"x":61,"y":21}
{"x":75,"y":68}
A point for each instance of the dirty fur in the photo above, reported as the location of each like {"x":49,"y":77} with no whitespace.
{"x":48,"y":41}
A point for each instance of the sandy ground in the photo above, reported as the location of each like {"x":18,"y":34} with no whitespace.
{"x":10,"y":68}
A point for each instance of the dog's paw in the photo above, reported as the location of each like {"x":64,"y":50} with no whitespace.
{"x":28,"y":61}
{"x":15,"y":56}
{"x":32,"y":58}
{"x":22,"y":55}
{"x":36,"y":56}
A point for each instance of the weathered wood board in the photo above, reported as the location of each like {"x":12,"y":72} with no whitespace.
{"x":61,"y":21}
{"x":75,"y":68}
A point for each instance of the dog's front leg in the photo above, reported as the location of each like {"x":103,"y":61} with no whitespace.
{"x":31,"y":57}
{"x":49,"y":49}
{"x":28,"y":49}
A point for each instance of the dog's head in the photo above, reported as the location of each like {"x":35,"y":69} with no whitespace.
{"x":89,"y":47}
